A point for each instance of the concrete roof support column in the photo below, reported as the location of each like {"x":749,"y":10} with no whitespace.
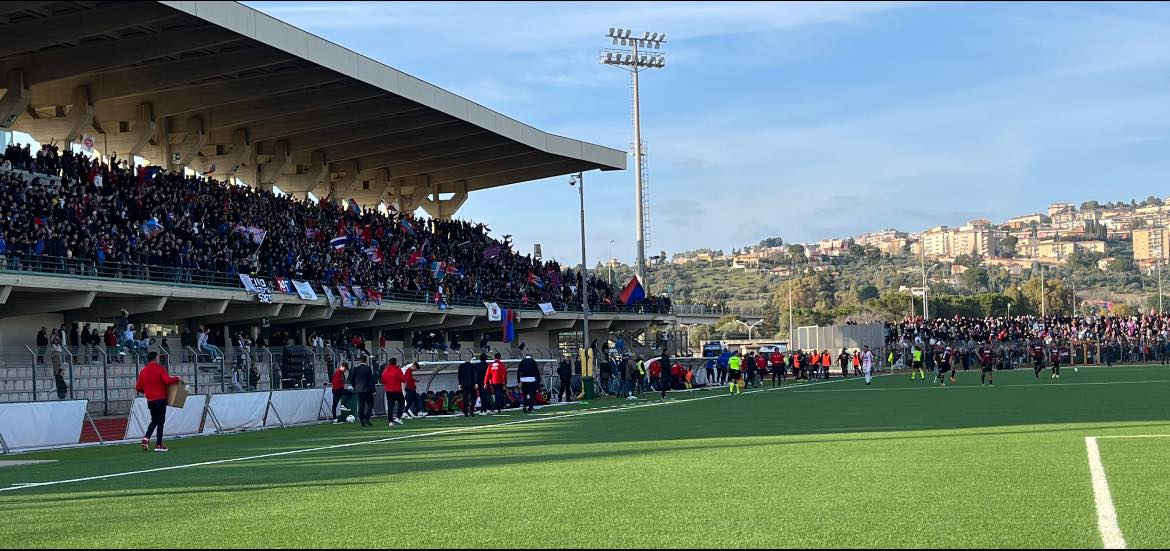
{"x":317,"y":172}
{"x":145,"y":128}
{"x":409,"y":202}
{"x":80,"y":115}
{"x":444,"y":208}
{"x":194,"y":141}
{"x":270,"y":171}
{"x":334,"y":189}
{"x":15,"y":100}
{"x":229,"y":163}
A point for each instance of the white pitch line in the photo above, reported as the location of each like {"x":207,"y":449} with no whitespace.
{"x":956,"y":385}
{"x":1135,"y":436}
{"x":23,"y":486}
{"x":1106,"y":515}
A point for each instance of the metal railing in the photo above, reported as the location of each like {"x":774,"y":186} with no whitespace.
{"x":704,"y":309}
{"x":172,"y":275}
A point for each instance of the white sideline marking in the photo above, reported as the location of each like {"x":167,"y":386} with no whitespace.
{"x":957,"y":385}
{"x":592,"y":411}
{"x":1106,"y":515}
{"x":1135,"y":436}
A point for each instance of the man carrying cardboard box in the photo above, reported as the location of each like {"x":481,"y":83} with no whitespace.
{"x":152,"y":382}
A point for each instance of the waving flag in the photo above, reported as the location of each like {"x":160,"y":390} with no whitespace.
{"x":491,"y":252}
{"x":633,"y":292}
{"x":374,"y":254}
{"x":339,"y":242}
{"x":509,"y":318}
{"x":354,"y":207}
{"x":406,"y":227}
{"x":152,"y":228}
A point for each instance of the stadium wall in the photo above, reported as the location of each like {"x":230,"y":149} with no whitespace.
{"x":836,"y":337}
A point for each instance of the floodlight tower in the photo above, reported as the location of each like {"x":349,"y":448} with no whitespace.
{"x":635,"y":62}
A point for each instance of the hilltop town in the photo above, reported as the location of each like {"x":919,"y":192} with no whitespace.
{"x":1137,"y":231}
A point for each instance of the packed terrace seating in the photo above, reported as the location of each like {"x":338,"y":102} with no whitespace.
{"x":67,"y":212}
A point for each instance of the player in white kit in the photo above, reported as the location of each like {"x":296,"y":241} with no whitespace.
{"x":867,"y":364}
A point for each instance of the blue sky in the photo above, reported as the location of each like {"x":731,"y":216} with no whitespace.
{"x":805,"y":121}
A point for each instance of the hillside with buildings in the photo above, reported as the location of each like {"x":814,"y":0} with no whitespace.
{"x":1091,"y":257}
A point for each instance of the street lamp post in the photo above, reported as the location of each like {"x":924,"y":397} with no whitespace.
{"x":1043,"y":294}
{"x":611,"y":261}
{"x":586,"y":360}
{"x":634,"y":62}
{"x":1160,"y":287}
{"x":791,"y":277}
{"x":750,"y":327}
{"x":926,"y":291}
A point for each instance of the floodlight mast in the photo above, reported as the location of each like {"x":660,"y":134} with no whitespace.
{"x":633,"y":62}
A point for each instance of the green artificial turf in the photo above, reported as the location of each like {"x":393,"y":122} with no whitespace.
{"x":900,"y":463}
{"x":1137,"y":473}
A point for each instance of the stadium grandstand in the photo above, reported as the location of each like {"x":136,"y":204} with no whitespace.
{"x":216,"y":185}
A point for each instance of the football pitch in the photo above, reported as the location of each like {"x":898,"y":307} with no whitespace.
{"x":1075,"y":462}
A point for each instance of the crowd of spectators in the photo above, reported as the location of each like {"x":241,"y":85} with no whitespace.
{"x":1064,"y":329}
{"x":165,"y":224}
{"x":1145,"y":337}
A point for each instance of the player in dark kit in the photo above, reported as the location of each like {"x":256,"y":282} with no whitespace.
{"x":986,"y":358}
{"x":1037,"y":359}
{"x":1055,"y":357}
{"x":942,"y":360}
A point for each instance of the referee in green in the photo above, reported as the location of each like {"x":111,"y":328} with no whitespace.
{"x":733,"y":365}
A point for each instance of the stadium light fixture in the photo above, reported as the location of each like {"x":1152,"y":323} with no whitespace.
{"x":634,"y":62}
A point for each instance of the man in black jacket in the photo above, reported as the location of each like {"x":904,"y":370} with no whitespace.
{"x":480,"y":373}
{"x":468,"y":384}
{"x":42,"y":345}
{"x":665,"y":379}
{"x":529,"y":375}
{"x":362,"y":380}
{"x":565,"y":373}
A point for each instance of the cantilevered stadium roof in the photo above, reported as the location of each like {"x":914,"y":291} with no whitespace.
{"x":193,"y":83}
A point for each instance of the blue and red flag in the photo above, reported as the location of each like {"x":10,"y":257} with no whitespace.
{"x":338,"y":243}
{"x":633,"y":292}
{"x":509,"y":318}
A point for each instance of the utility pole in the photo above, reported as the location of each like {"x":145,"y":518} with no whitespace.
{"x":791,"y":276}
{"x":610,"y":261}
{"x":586,"y":360}
{"x":1043,"y":294}
{"x":925,"y":300}
{"x":1160,"y":287}
{"x":634,"y":62}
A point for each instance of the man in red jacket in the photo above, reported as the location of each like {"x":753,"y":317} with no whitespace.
{"x":496,"y":378}
{"x":340,"y":393}
{"x":152,"y":382}
{"x":392,"y":379}
{"x":410,"y":386}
